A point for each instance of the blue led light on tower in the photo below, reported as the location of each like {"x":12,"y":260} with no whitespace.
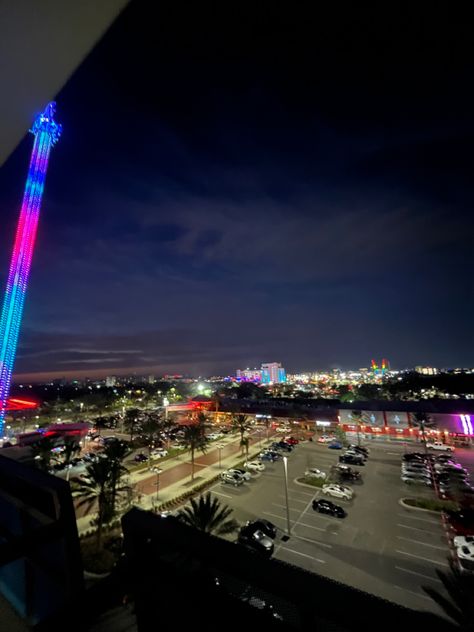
{"x":273,"y":373}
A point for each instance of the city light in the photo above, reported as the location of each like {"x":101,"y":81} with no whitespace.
{"x":46,"y":132}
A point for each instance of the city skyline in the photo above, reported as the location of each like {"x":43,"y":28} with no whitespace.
{"x":259,"y":202}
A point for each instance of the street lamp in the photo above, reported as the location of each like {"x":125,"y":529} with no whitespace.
{"x":285,"y":468}
{"x":166,"y":403}
{"x":219,"y":447}
{"x":157,"y":471}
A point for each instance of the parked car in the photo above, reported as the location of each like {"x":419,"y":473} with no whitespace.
{"x":291,"y":440}
{"x":140,"y":458}
{"x":314,"y":471}
{"x":260,"y":524}
{"x":438,"y":445}
{"x":461,"y":521}
{"x":356,"y":453}
{"x":273,"y":454}
{"x":351,"y":459}
{"x":465,"y":552}
{"x":214,"y":435}
{"x":335,"y":445}
{"x":360,"y":448}
{"x":326,"y":439}
{"x":415,"y":470}
{"x":286,"y":447}
{"x":232,"y":479}
{"x":327,"y":507}
{"x":254,"y":466}
{"x":243,"y":473}
{"x":338,"y":491}
{"x":256,"y":540}
{"x":267,"y":456}
{"x":412,"y":478}
{"x":159,"y":453}
{"x":413,"y":456}
{"x":349,"y":475}
{"x":461,"y":540}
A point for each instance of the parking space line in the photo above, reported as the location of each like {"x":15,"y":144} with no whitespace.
{"x":285,"y":548}
{"x":406,"y":526}
{"x":221,"y":494}
{"x":419,"y":557}
{"x":406,"y":570}
{"x":293,"y":500}
{"x":298,"y":491}
{"x":433,"y":546}
{"x":300,"y":537}
{"x":412,"y":592}
{"x":284,"y":507}
{"x":406,"y":515}
{"x":267,"y":513}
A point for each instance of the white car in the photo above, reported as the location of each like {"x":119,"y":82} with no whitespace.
{"x":158,"y":454}
{"x":313,"y":471}
{"x":438,"y":445}
{"x":461,"y":540}
{"x":466,"y":552}
{"x":254,"y":466}
{"x":326,"y":439}
{"x":245,"y":475}
{"x":283,"y":429}
{"x":338,"y":491}
{"x":214,"y":435}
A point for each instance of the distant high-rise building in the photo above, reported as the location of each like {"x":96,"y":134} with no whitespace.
{"x":151,"y":379}
{"x":248,"y":375}
{"x":426,"y":370}
{"x":110,"y":381}
{"x":273,"y":373}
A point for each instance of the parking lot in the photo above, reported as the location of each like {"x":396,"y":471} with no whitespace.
{"x":380,"y":547}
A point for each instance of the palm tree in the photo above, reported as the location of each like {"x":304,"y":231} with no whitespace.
{"x":195,"y":439}
{"x":422,"y":420}
{"x":242,"y":424}
{"x":151,"y":429}
{"x":357,"y":417}
{"x":94,"y":489}
{"x":208,"y":515}
{"x":460,"y":588}
{"x":115,"y":453}
{"x":42,"y":453}
{"x":131,"y":421}
{"x":71,"y":446}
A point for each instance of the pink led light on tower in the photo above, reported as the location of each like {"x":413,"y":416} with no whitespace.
{"x":46,"y":132}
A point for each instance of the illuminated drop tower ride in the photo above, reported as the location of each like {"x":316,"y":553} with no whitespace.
{"x":47,"y":133}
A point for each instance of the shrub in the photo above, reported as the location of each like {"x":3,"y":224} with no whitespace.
{"x":315,"y":481}
{"x":432,"y":504}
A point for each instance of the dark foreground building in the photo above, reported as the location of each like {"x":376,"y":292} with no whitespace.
{"x":183,"y":579}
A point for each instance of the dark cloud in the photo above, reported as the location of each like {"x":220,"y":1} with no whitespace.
{"x":231,"y":192}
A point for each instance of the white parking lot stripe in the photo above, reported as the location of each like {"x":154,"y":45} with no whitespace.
{"x":433,"y":546}
{"x":267,"y":513}
{"x":425,"y":559}
{"x":285,"y":548}
{"x":407,"y":515}
{"x":406,"y":570}
{"x":294,"y":500}
{"x":412,"y":592}
{"x":284,"y":507}
{"x":300,"y":537}
{"x":221,"y":494}
{"x":406,"y":526}
{"x":393,"y":453}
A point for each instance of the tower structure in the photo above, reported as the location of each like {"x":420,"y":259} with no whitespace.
{"x":46,"y":132}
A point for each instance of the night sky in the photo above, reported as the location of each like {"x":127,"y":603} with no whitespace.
{"x":241,"y":186}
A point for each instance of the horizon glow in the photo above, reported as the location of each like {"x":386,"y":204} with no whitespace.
{"x":47,"y":133}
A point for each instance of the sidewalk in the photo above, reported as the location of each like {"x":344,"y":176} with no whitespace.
{"x":175,"y":478}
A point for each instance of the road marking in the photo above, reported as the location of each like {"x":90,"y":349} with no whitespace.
{"x":285,"y":548}
{"x":412,"y":592}
{"x":293,"y":500}
{"x":284,"y":507}
{"x":298,"y":491}
{"x":221,"y":494}
{"x":433,"y":546}
{"x":294,"y":524}
{"x":406,"y":526}
{"x":300,"y":537}
{"x":393,"y":453}
{"x":406,"y":515}
{"x":425,"y":559}
{"x":406,"y":570}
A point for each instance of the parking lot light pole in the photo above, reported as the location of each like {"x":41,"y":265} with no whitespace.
{"x":219,"y":447}
{"x":157,"y":471}
{"x":285,"y":468}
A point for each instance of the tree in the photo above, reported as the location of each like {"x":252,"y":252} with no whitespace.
{"x":42,"y":453}
{"x":115,"y":453}
{"x":208,"y":515}
{"x":460,"y":588}
{"x":71,"y":446}
{"x":151,"y":429}
{"x":356,"y":416}
{"x":242,"y":424}
{"x":95,"y":488}
{"x":131,"y":421}
{"x":422,"y":421}
{"x":194,"y":437}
